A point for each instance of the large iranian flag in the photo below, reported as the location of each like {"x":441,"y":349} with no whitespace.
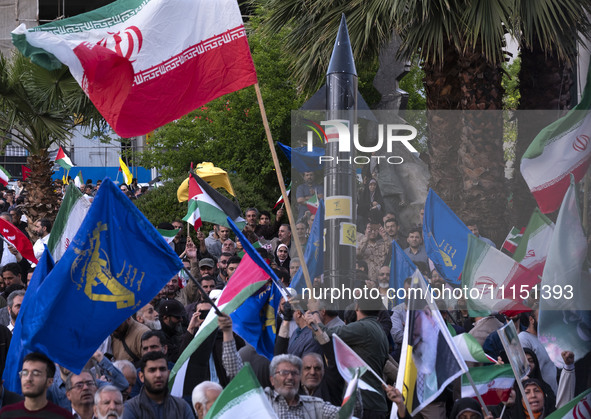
{"x":144,"y":63}
{"x":578,"y":408}
{"x":560,"y":149}
{"x":493,"y":382}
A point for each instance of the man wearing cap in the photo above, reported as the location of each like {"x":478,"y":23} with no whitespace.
{"x":171,"y":314}
{"x":207,"y":267}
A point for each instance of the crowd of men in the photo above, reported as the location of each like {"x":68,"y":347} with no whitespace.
{"x":127,"y":377}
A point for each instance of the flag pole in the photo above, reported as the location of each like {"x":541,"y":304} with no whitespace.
{"x":531,"y":415}
{"x":292,"y":223}
{"x":205,"y":295}
{"x":486,"y":412}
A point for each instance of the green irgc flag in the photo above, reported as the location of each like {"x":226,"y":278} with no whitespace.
{"x":243,"y":398}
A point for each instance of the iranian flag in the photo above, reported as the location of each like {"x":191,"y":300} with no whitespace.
{"x":144,"y":63}
{"x":493,"y":382}
{"x":69,"y":217}
{"x":501,"y":282}
{"x":63,"y":160}
{"x":312,"y":203}
{"x":168,"y":235}
{"x":470,"y":349}
{"x":512,"y":240}
{"x":577,"y":408}
{"x":557,"y":151}
{"x":243,"y":397}
{"x":535,"y":243}
{"x":280,"y":200}
{"x":193,"y":216}
{"x":4,"y":176}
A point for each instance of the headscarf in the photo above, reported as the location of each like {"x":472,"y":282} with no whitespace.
{"x":284,"y":262}
{"x":466,"y":404}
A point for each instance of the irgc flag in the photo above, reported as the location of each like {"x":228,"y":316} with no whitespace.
{"x":242,"y":398}
{"x":144,"y":63}
{"x":560,"y":149}
{"x":115,"y":265}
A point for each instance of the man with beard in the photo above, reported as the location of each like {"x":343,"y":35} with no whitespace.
{"x":222,"y":277}
{"x":154,"y":401}
{"x":14,"y":302}
{"x":108,"y":403}
{"x":148,"y":317}
{"x":285,"y":372}
{"x":36,"y":377}
{"x":171,"y":314}
{"x":80,"y":391}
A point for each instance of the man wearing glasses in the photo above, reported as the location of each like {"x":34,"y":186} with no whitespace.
{"x":36,"y":377}
{"x":80,"y":391}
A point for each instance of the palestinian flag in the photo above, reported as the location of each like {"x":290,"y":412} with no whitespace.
{"x":512,"y":240}
{"x":250,"y":276}
{"x":577,"y":408}
{"x":312,"y":203}
{"x":280,"y":200}
{"x":69,"y":218}
{"x":493,"y":382}
{"x":559,"y":150}
{"x":144,"y":63}
{"x":213,"y":206}
{"x":63,"y":160}
{"x":501,"y":282}
{"x":78,"y":181}
{"x":470,"y":349}
{"x":4,"y":176}
{"x":168,"y":235}
{"x":350,"y":398}
{"x":242,"y":398}
{"x":535,"y":243}
{"x":349,"y":363}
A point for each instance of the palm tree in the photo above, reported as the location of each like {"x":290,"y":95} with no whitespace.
{"x":548,"y":33}
{"x":460,"y":44}
{"x":39,"y":108}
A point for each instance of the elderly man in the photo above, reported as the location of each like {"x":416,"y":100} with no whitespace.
{"x":285,"y":373}
{"x":203,"y":397}
{"x":148,"y":316}
{"x":108,"y":403}
{"x":36,"y":377}
{"x":154,"y":399}
{"x":80,"y":391}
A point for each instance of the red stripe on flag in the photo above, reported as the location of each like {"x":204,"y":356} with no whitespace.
{"x":135,"y":105}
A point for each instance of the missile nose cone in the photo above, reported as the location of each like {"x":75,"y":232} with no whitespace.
{"x":341,"y":60}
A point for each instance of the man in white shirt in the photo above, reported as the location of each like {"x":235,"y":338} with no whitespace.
{"x":42,"y":230}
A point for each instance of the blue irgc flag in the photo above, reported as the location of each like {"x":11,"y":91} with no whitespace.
{"x":115,"y":265}
{"x":446,"y":238}
{"x":401,"y":267}
{"x":17,"y":351}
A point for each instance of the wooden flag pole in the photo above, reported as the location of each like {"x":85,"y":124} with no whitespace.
{"x":290,"y":216}
{"x":531,"y":415}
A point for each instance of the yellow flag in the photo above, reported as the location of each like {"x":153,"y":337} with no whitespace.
{"x":127,"y":177}
{"x":216,"y":177}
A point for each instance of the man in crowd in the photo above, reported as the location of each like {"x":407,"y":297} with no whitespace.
{"x":203,"y":396}
{"x":171,"y":314}
{"x":42,"y":230}
{"x":416,"y":249}
{"x":126,"y":340}
{"x":216,"y":237}
{"x":36,"y":377}
{"x":108,"y":403}
{"x":229,"y":247}
{"x":284,"y":237}
{"x":233,"y":263}
{"x":14,"y":302}
{"x":12,"y":274}
{"x":251,"y":215}
{"x":148,"y":317}
{"x":305,"y":191}
{"x":154,"y":399}
{"x":222,"y":277}
{"x":80,"y":391}
{"x":372,"y":248}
